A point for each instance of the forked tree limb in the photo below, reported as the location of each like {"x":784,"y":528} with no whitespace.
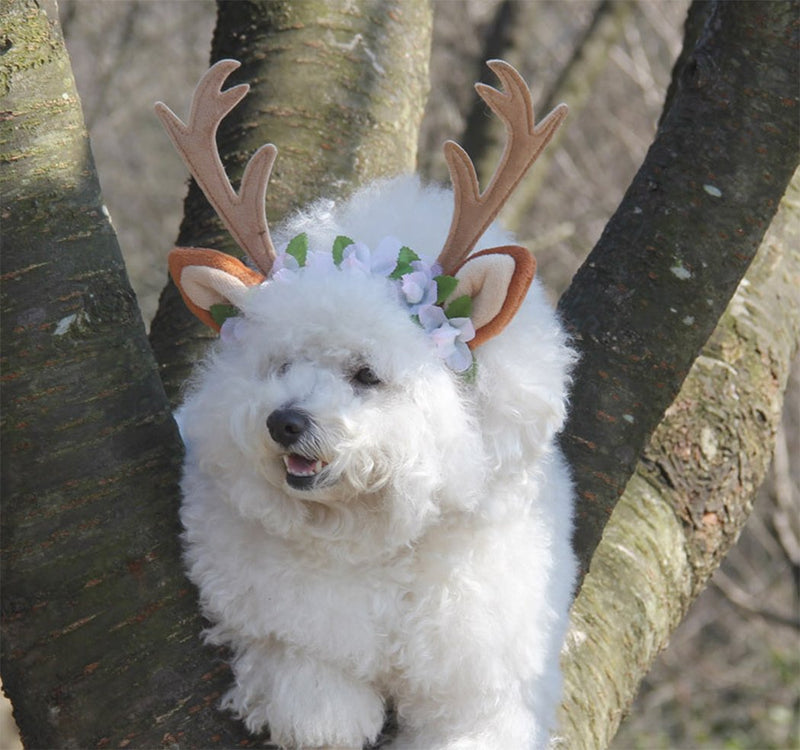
{"x":691,"y":494}
{"x":100,"y":640}
{"x":91,"y":570}
{"x":648,"y":296}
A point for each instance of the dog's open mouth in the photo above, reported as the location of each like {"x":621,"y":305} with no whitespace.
{"x":302,"y":472}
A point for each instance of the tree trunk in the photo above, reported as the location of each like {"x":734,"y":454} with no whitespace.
{"x":91,"y":571}
{"x":339,"y":89}
{"x":691,"y":494}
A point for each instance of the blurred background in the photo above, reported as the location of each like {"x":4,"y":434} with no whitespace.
{"x":730,"y":678}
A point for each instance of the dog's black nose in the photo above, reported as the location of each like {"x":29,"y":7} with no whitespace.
{"x":286,"y":426}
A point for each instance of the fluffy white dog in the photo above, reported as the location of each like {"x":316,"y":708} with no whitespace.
{"x":376,"y":513}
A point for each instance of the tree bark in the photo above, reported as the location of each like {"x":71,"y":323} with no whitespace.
{"x":340,"y":89}
{"x":691,"y":493}
{"x":91,"y":570}
{"x":649,"y":294}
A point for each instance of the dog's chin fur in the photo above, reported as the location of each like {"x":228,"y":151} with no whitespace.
{"x":428,"y":563}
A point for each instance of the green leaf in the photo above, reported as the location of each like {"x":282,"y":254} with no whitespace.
{"x":339,"y":244}
{"x":405,"y":258}
{"x":471,"y":375}
{"x":460,"y":307}
{"x":445,"y":286}
{"x":298,"y":248}
{"x":220,"y":313}
{"x":406,"y":255}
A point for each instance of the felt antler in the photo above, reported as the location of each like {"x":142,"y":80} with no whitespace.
{"x":207,"y":278}
{"x":243,"y":212}
{"x":496,"y":279}
{"x":474,"y":211}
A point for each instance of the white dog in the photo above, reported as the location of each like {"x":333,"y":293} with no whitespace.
{"x":376,"y":512}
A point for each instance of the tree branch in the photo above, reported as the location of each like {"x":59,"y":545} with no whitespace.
{"x":651,"y":291}
{"x":749,"y":604}
{"x":691,"y":493}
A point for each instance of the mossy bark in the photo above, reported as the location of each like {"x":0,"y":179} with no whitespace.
{"x":649,"y":294}
{"x":339,"y":89}
{"x":691,"y":493}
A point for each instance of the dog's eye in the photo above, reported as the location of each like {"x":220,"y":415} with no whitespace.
{"x":272,"y":369}
{"x":365,"y":376}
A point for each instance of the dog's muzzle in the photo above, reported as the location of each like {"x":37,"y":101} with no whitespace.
{"x":293,"y":429}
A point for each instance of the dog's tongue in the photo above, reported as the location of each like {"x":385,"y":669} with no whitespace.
{"x":302,"y":466}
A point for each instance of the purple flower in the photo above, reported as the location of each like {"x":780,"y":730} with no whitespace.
{"x":449,"y":336}
{"x":378,"y":262}
{"x":384,"y":256}
{"x":356,"y":257}
{"x":419,"y":287}
{"x":285,"y":267}
{"x":232,"y":329}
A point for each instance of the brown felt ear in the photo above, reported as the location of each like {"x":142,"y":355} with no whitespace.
{"x":207,"y":277}
{"x":497,"y":281}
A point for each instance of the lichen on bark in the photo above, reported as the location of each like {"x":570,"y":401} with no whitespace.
{"x":691,"y":493}
{"x":647,"y":297}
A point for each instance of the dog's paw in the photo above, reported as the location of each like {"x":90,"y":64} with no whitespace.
{"x":307,"y":705}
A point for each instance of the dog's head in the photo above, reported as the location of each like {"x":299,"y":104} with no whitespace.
{"x":324,"y":387}
{"x":335,"y":376}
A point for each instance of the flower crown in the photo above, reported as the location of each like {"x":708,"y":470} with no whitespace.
{"x":421,"y":287}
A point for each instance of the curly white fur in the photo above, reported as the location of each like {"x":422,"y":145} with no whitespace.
{"x":432,"y":567}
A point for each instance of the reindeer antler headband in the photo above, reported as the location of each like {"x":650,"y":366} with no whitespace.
{"x":496,"y":280}
{"x":243,"y":213}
